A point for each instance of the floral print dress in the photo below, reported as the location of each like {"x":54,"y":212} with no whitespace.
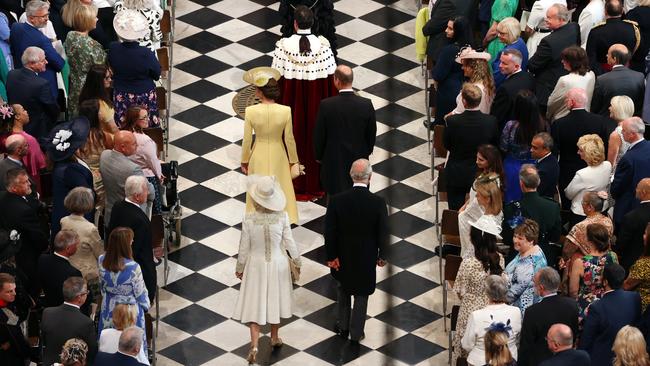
{"x":83,"y":52}
{"x":591,"y":284}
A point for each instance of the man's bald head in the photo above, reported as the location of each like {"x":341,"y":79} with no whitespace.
{"x":643,"y":189}
{"x":14,"y":144}
{"x":618,"y":54}
{"x":344,"y":76}
{"x":125,"y":142}
{"x":361,"y":171}
{"x":561,"y":334}
{"x":576,"y":98}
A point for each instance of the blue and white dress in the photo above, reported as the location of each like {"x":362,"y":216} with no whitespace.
{"x":124,"y":287}
{"x":520,"y":271}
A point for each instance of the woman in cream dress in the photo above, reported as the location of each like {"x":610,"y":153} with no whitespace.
{"x":266,"y":291}
{"x":268,"y":155}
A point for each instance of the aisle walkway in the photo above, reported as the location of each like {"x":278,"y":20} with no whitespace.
{"x":216,"y":42}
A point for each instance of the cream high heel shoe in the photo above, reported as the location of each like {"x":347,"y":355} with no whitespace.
{"x":252,"y":356}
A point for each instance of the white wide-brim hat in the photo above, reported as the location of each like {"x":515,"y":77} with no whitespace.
{"x":487,"y":225}
{"x":469,"y":53}
{"x":130,"y":25}
{"x":259,"y":76}
{"x":266,"y":192}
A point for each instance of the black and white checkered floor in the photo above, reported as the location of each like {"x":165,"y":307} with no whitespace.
{"x":216,"y":42}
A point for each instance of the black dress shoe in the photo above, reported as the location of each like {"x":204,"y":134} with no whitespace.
{"x":356,"y":341}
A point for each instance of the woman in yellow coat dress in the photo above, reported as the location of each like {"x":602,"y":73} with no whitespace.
{"x":271,"y":154}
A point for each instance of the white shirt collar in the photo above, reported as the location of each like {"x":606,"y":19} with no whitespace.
{"x":304,"y":31}
{"x":635,"y":142}
{"x":615,"y":66}
{"x":544,"y":157}
{"x":346,"y":90}
{"x":549,"y":295}
{"x":516,"y":72}
{"x":360,"y":185}
{"x":131,"y":202}
{"x":83,"y":163}
{"x":61,"y":256}
{"x":15,"y":161}
{"x":73,"y":305}
{"x":646,"y":201}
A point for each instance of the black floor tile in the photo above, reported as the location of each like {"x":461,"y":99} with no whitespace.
{"x":324,"y":286}
{"x":406,"y":285}
{"x":388,"y":41}
{"x":264,"y":60}
{"x":200,"y":142}
{"x":264,"y":18}
{"x":404,"y":254}
{"x":198,"y":198}
{"x":325,"y":317}
{"x":265,"y":2}
{"x":337,"y":351}
{"x":395,"y":115}
{"x":411,"y":349}
{"x":204,"y":42}
{"x":318,"y":255}
{"x":204,"y":2}
{"x":397,"y":141}
{"x":263,"y":42}
{"x":193,"y":319}
{"x":403,"y":225}
{"x":390,"y":65}
{"x":266,"y":355}
{"x":386,"y":17}
{"x":192,"y":351}
{"x":401,"y":196}
{"x":398,"y":168}
{"x":199,"y":170}
{"x":203,"y":66}
{"x":197,"y":256}
{"x":202,"y":91}
{"x":201,"y":116}
{"x":343,"y":41}
{"x":341,"y":18}
{"x":341,"y":61}
{"x":392,"y":89}
{"x":199,"y":226}
{"x":317,"y":225}
{"x":204,"y":18}
{"x":241,"y":197}
{"x":408,"y":316}
{"x":195,"y":287}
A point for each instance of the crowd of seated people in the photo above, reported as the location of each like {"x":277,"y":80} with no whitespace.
{"x":76,"y":284}
{"x":569,"y":248}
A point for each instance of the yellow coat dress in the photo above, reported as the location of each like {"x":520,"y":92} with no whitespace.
{"x":268,"y":155}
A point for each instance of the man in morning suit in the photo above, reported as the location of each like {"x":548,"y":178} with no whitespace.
{"x":629,"y":242}
{"x":442,"y":11}
{"x":20,"y":212}
{"x":620,"y":81}
{"x":128,"y":348}
{"x":345,"y":131}
{"x":356,"y":236}
{"x":633,"y":166}
{"x":28,"y":34}
{"x":463,"y":135}
{"x":560,"y":342}
{"x":516,"y":80}
{"x":127,"y":213}
{"x":66,"y":321}
{"x":567,"y":130}
{"x":27,"y":87}
{"x":543,"y":210}
{"x":613,"y":30}
{"x":16,"y":147}
{"x":616,"y":309}
{"x":547,"y":167}
{"x":115,"y":167}
{"x":545,"y":63}
{"x":538,"y":318}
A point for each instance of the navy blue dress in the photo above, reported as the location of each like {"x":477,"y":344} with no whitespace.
{"x":449,"y":76}
{"x":66,"y":176}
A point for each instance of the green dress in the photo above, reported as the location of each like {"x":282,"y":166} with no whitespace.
{"x":501,"y":9}
{"x":83,"y":52}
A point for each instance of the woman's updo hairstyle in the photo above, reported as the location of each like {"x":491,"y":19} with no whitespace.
{"x":271,"y":90}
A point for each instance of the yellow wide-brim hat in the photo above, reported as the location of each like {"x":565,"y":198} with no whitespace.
{"x":259,"y":76}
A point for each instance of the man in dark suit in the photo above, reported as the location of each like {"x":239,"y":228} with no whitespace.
{"x":545,"y":63}
{"x":613,"y":30}
{"x":345,"y":131}
{"x":464,"y":133}
{"x":543,"y":210}
{"x":560,"y":342}
{"x":55,"y":268}
{"x":16,"y":147}
{"x":442,"y":12}
{"x":127,"y":213}
{"x":633,"y":166}
{"x":356,"y":236}
{"x":546,"y":163}
{"x":66,"y":321}
{"x":553,"y":309}
{"x":516,"y":80}
{"x":629,"y":242}
{"x":24,"y":35}
{"x":567,"y":130}
{"x":620,"y":81}
{"x":127,"y":350}
{"x":616,"y":309}
{"x":20,"y":212}
{"x":27,"y":87}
